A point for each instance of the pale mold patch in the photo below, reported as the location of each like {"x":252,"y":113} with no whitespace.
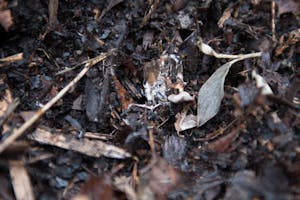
{"x":161,"y":76}
{"x":261,"y":83}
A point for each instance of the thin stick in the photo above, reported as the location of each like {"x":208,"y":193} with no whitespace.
{"x":273,"y":21}
{"x":152,"y":144}
{"x":206,"y":49}
{"x":18,"y":132}
{"x":53,"y":10}
{"x":11,"y":108}
{"x":11,"y":59}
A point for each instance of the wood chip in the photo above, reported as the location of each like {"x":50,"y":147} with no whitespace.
{"x":11,"y":59}
{"x":20,"y":181}
{"x":94,"y":148}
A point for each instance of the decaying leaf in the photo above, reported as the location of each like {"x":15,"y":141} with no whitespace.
{"x":184,"y":121}
{"x":222,"y":144}
{"x":125,"y":99}
{"x":27,"y":115}
{"x":294,"y":38}
{"x":77,"y":103}
{"x":212,"y":91}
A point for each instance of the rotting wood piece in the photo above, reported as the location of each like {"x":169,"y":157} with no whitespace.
{"x":94,"y":148}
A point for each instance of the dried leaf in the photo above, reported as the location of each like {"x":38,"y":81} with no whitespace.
{"x":211,"y":94}
{"x":125,"y":98}
{"x":185,"y":122}
{"x":85,"y":146}
{"x":294,"y":38}
{"x":27,"y":115}
{"x":77,"y":103}
{"x":212,"y":91}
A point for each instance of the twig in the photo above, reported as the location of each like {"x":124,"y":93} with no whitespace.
{"x":53,"y":9}
{"x":273,"y":21}
{"x":108,"y":8}
{"x":94,"y":148}
{"x":151,"y":107}
{"x":150,"y":12}
{"x":11,"y":59}
{"x":11,"y":108}
{"x":18,"y":132}
{"x":50,"y":58}
{"x":151,"y":143}
{"x":206,"y":49}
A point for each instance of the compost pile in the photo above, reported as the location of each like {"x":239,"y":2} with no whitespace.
{"x":154,"y":99}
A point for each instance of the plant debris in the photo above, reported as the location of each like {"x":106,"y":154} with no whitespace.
{"x":149,"y":99}
{"x":91,"y":148}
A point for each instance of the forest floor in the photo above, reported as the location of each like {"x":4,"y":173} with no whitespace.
{"x":168,"y":107}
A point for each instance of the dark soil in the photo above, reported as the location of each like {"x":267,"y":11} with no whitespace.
{"x":249,"y":150}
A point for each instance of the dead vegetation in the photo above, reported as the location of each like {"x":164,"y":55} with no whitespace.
{"x":149,"y":99}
